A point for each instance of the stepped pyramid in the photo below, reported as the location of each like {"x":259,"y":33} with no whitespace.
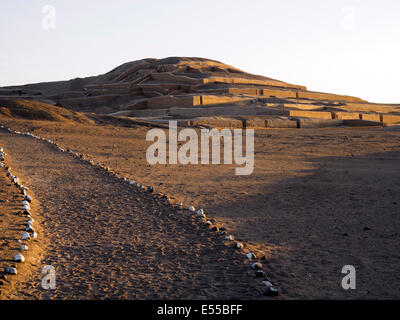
{"x":198,"y":90}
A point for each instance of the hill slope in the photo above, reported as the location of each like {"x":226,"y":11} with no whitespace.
{"x":139,"y":80}
{"x":35,"y":110}
{"x":189,"y":88}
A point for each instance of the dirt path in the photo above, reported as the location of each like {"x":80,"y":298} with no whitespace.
{"x":107,"y":239}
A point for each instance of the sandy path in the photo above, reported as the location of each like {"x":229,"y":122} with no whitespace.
{"x":108,"y":240}
{"x":11,"y":228}
{"x":317,"y":200}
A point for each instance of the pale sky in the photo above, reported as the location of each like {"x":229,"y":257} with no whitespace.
{"x":345,"y":47}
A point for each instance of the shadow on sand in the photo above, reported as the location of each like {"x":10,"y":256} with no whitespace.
{"x":344,"y":211}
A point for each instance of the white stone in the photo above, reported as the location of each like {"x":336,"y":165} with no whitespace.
{"x":239,"y":245}
{"x":10,"y":270}
{"x":250,"y":255}
{"x":25,"y":236}
{"x":256,"y":266}
{"x":19,"y":257}
{"x":267,"y":283}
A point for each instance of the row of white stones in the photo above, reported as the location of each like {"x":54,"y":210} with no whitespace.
{"x":257,"y":266}
{"x":29,"y":231}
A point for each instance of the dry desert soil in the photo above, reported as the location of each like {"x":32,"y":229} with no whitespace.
{"x":318,"y":199}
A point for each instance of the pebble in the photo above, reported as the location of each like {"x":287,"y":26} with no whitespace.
{"x":29,"y":228}
{"x":24,"y":247}
{"x":271,"y":292}
{"x":192,"y":209}
{"x":256,"y":266}
{"x":10,"y":270}
{"x":19,"y":258}
{"x":251,"y":256}
{"x":229,"y":237}
{"x":25,"y":236}
{"x":238,"y":245}
{"x":260,"y":274}
{"x":267,"y":283}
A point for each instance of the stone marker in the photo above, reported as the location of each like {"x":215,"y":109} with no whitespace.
{"x":19,"y":258}
{"x":256,"y":266}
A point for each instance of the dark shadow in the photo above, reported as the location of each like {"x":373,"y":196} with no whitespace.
{"x":344,"y":211}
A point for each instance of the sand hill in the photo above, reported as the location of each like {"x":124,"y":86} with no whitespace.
{"x":35,"y":110}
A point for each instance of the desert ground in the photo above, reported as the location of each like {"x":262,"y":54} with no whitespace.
{"x":317,"y":200}
{"x":324,"y":193}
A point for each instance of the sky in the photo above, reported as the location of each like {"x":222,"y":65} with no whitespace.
{"x":345,"y":47}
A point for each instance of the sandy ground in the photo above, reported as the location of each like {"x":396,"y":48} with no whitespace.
{"x":318,"y":199}
{"x":12,"y":226}
{"x":107,"y":239}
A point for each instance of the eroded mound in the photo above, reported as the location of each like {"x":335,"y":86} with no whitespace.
{"x":159,"y":90}
{"x":133,"y":85}
{"x":35,"y":110}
